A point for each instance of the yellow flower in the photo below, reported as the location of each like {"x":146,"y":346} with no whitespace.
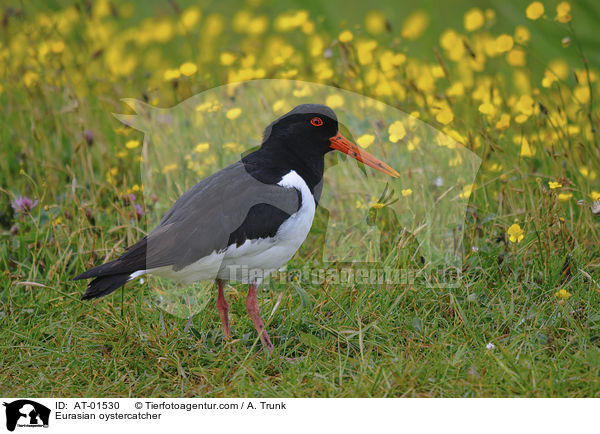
{"x":188,"y":68}
{"x":563,"y":197}
{"x":279,"y":105}
{"x":258,"y":25}
{"x":582,"y":93}
{"x":406,"y":192}
{"x":169,"y":168}
{"x":589,"y":174}
{"x":346,"y":36}
{"x":308,"y":27}
{"x":595,"y":195}
{"x":487,"y":109}
{"x":227,"y":58}
{"x":515,"y":233}
{"x":163,"y":31}
{"x":231,"y":145}
{"x":521,"y":118}
{"x":190,"y":17}
{"x":132,"y":144}
{"x":473,"y":19}
{"x":522,"y":34}
{"x":290,"y":73}
{"x":396,"y":131}
{"x":563,"y":294}
{"x":563,"y":12}
{"x":30,"y":78}
{"x":554,"y":185}
{"x":467,"y":190}
{"x":123,"y":131}
{"x":534,"y":10}
{"x":504,"y":43}
{"x":57,"y":47}
{"x":365,"y":51}
{"x":233,"y":113}
{"x":515,"y":57}
{"x":415,"y":24}
{"x":201,"y":147}
{"x":549,"y":78}
{"x":171,"y":74}
{"x":453,"y":43}
{"x":375,"y":22}
{"x":525,"y":105}
{"x":365,"y":140}
{"x":388,"y":60}
{"x":560,"y":67}
{"x":291,"y":20}
{"x":504,"y":121}
{"x":444,"y":116}
{"x":334,"y":101}
{"x":456,"y":89}
{"x":526,"y":150}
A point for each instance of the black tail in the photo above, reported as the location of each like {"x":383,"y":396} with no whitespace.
{"x":114,"y":274}
{"x":109,"y":268}
{"x":104,"y":285}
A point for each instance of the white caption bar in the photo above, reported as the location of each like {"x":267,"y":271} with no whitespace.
{"x":155,"y":415}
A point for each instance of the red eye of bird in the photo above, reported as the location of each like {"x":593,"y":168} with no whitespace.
{"x":317,"y":122}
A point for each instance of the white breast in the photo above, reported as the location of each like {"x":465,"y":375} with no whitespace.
{"x":296,"y":228}
{"x":268,"y":254}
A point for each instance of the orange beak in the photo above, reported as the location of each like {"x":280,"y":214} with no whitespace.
{"x":341,"y":143}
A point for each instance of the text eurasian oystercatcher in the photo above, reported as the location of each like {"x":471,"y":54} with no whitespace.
{"x":244,"y":221}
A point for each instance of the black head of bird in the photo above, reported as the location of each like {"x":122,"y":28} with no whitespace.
{"x":310,"y":131}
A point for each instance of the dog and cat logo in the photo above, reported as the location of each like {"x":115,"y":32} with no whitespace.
{"x":26,"y":413}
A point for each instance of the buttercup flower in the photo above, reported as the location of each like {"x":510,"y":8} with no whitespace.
{"x":563,"y":12}
{"x":515,"y":233}
{"x":473,"y":19}
{"x":534,"y":10}
{"x":396,"y":131}
{"x":563,"y":294}
{"x":346,"y":36}
{"x":365,"y":140}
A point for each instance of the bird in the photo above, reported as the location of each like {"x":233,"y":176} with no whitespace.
{"x":244,"y":221}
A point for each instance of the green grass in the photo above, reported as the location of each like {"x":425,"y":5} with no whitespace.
{"x":361,"y":341}
{"x":335,"y":341}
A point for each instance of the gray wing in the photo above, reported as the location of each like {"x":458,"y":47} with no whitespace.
{"x":202,"y":220}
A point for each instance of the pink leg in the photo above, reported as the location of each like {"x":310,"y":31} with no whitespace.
{"x":254,"y":312}
{"x":223,"y":308}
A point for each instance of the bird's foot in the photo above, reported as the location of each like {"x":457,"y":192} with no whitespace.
{"x":266,"y":341}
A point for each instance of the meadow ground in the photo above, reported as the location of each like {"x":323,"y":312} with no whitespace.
{"x":516,"y":83}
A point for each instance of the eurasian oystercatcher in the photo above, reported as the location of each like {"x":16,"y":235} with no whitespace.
{"x":244,"y":221}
